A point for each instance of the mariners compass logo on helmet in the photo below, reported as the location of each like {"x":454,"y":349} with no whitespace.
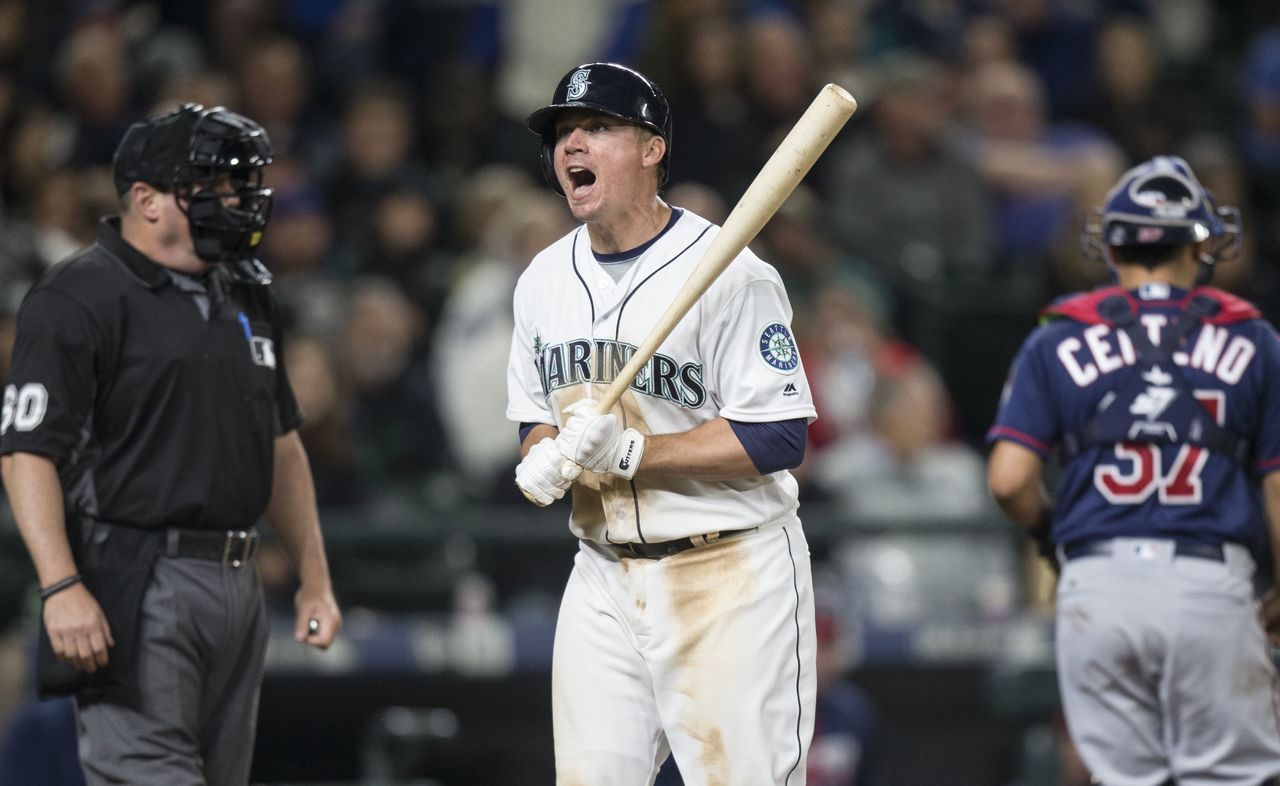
{"x":578,"y":84}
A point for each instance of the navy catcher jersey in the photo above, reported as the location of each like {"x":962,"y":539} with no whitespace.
{"x":154,"y":415}
{"x":1066,"y":369}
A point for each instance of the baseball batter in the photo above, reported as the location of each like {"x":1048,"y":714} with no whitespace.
{"x":1160,"y":394}
{"x":687,"y":625}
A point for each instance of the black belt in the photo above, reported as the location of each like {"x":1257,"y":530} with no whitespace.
{"x":668,"y":547}
{"x":1181,"y":548}
{"x":232,"y":547}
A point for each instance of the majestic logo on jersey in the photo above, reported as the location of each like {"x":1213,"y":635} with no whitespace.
{"x":778,"y":348}
{"x":790,"y":390}
{"x":600,"y":361}
{"x":578,"y":84}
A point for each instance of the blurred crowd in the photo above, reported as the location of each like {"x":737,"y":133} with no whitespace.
{"x":408,"y":196}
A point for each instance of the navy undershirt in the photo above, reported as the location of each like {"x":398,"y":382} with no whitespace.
{"x":773,"y":445}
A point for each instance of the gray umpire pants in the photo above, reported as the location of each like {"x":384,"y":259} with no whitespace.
{"x":202,"y":645}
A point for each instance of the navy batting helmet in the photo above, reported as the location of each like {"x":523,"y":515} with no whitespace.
{"x":1161,"y":202}
{"x":609,"y":88}
{"x":185,"y":150}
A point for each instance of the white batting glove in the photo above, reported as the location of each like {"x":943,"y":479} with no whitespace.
{"x":545,"y":475}
{"x":598,"y":442}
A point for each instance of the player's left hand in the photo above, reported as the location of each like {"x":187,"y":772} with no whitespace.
{"x":598,"y":442}
{"x":545,"y":475}
{"x":318,"y":619}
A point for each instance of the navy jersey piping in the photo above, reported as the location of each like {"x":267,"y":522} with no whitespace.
{"x":617,"y":334}
{"x":634,"y":253}
{"x":573,"y":254}
{"x":617,"y":327}
{"x":796,"y":619}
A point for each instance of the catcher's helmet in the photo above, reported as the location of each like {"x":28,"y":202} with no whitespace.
{"x":609,"y":88}
{"x":183,"y":151}
{"x":1160,"y":202}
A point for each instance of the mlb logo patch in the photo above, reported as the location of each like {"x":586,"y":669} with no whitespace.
{"x":264,"y":351}
{"x":1146,"y":550}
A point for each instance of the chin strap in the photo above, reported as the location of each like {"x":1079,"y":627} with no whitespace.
{"x":250,"y":271}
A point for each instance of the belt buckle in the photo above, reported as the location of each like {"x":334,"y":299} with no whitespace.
{"x":238,"y":556}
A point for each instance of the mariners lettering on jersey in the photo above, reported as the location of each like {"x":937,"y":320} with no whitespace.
{"x":1104,"y":350}
{"x":600,"y":360}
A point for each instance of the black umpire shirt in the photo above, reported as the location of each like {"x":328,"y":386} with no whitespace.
{"x":158,"y":396}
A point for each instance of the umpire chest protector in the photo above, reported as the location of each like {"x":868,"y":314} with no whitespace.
{"x":1153,"y":401}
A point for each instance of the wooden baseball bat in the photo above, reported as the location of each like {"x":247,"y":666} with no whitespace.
{"x":777,"y":179}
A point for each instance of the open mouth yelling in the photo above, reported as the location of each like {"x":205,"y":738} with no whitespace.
{"x":581,"y":180}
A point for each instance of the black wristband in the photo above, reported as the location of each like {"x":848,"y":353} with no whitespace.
{"x":59,"y":586}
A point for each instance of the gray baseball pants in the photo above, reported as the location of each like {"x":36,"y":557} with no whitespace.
{"x":202,"y":645}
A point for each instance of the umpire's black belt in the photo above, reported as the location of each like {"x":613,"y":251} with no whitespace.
{"x":232,"y":547}
{"x":666,"y":548}
{"x":1181,"y":548}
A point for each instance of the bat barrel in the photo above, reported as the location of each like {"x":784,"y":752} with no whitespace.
{"x":784,"y":170}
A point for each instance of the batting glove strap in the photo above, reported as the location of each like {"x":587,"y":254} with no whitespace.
{"x":539,"y":476}
{"x":626,"y":457}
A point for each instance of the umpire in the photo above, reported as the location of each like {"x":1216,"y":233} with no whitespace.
{"x":147,"y":425}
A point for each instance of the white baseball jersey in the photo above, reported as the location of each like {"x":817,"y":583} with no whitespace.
{"x":733,"y":355}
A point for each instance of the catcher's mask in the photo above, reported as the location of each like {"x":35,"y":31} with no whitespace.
{"x":212,"y":160}
{"x":609,"y":88}
{"x":1160,"y":202}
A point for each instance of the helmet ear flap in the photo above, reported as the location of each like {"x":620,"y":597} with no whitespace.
{"x":549,"y":165}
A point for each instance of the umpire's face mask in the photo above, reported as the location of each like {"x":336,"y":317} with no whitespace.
{"x":227,"y":216}
{"x":226,"y":205}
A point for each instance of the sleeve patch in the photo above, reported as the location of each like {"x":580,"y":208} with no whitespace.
{"x":778,"y":348}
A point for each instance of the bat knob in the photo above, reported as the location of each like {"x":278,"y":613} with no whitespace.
{"x":529,"y":497}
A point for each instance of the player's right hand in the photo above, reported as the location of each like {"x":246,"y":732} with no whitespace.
{"x":599,"y":442}
{"x":78,"y":630}
{"x":545,"y":475}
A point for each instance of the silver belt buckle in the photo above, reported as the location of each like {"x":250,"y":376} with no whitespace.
{"x":248,"y":540}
